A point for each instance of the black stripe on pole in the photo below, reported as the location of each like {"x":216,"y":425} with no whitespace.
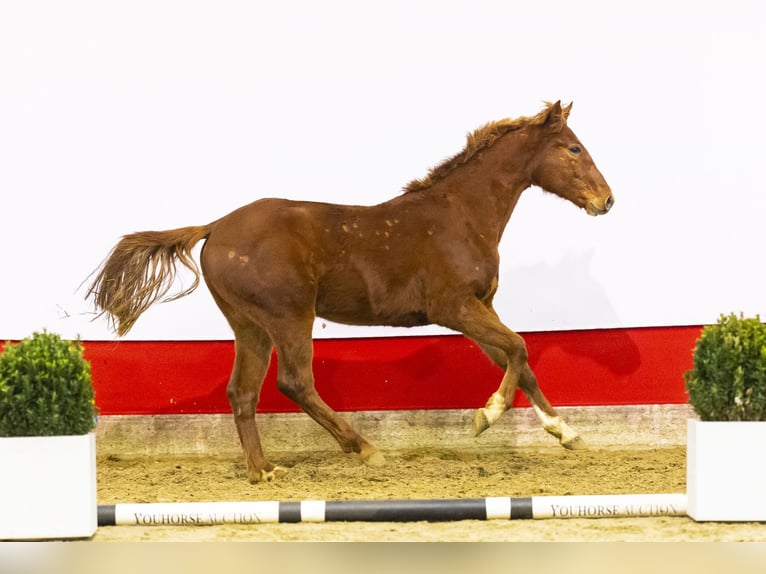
{"x":521,"y":508}
{"x":432,"y":510}
{"x":289,"y":512}
{"x":107,"y":515}
{"x":406,"y":510}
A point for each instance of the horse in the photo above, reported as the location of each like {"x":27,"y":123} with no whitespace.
{"x":427,"y":256}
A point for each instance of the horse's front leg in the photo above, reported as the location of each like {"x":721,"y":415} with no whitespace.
{"x":500,"y":401}
{"x":477,"y":320}
{"x":550,"y":419}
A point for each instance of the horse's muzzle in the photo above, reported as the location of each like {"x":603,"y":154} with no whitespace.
{"x":594,"y":209}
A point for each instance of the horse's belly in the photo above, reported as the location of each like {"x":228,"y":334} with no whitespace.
{"x":352,"y":304}
{"x":405,"y":320}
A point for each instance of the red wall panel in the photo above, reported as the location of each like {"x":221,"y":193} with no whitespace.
{"x":593,"y":367}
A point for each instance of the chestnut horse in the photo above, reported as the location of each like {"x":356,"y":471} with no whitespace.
{"x":427,"y":256}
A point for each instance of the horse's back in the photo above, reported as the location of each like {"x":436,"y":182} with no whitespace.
{"x":351,"y":264}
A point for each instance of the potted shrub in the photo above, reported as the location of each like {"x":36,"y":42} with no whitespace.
{"x":47,"y":444}
{"x":727,"y":389}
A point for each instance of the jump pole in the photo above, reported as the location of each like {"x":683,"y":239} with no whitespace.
{"x":432,"y":510}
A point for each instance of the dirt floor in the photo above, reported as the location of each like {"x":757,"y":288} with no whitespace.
{"x":415,"y":474}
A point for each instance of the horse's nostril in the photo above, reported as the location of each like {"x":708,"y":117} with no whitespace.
{"x":609,"y":203}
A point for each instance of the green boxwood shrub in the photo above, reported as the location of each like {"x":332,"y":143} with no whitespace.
{"x":45,"y":388}
{"x":728,"y":381}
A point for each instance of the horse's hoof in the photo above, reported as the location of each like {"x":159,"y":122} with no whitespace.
{"x":480,"y":422}
{"x":267,"y":475}
{"x":375,"y":458}
{"x":576,"y":443}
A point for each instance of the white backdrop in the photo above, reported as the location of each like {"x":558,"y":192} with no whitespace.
{"x":123,"y":116}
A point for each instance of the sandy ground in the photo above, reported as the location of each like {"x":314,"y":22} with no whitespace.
{"x":415,"y":474}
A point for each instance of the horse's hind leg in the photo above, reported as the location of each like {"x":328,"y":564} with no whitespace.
{"x":253,"y":351}
{"x":295,"y":379}
{"x":500,"y":401}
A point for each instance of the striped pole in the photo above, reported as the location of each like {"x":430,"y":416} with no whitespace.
{"x":432,"y":510}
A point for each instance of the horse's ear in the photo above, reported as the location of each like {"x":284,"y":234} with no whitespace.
{"x":556,"y":119}
{"x":565,"y":110}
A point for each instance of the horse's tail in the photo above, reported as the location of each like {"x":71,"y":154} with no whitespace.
{"x":140,"y":270}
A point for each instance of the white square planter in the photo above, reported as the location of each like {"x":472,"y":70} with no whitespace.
{"x":726,"y":471}
{"x":48,"y":487}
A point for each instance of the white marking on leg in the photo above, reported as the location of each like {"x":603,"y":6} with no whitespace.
{"x":555,"y":426}
{"x":494,"y":408}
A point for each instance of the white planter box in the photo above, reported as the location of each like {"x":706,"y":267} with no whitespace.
{"x":726,"y":471}
{"x":48,"y":487}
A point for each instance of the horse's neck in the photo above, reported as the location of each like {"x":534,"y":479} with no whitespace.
{"x":488,"y":187}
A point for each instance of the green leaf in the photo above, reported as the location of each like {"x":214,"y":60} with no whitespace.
{"x":728,"y":380}
{"x":45,"y":388}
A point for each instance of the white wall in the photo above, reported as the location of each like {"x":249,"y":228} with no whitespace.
{"x":118,"y":117}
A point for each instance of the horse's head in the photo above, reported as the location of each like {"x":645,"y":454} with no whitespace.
{"x":565,"y":168}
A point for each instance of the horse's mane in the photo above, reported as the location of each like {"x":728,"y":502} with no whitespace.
{"x":476,"y":141}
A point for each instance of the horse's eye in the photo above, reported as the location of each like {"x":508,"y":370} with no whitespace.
{"x":575,"y":149}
